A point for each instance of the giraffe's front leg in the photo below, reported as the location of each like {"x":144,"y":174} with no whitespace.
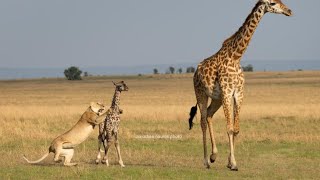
{"x":227,"y":107}
{"x":117,"y":145}
{"x":238,"y":98}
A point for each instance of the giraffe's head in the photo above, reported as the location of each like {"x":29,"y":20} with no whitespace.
{"x":276,"y":6}
{"x":121,"y":86}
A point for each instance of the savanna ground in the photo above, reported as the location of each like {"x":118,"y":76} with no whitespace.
{"x":279,"y":128}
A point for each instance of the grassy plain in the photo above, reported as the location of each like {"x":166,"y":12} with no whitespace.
{"x":279,"y":128}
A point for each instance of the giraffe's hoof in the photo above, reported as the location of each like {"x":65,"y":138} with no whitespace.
{"x":236,"y":132}
{"x":235,"y":168}
{"x":206,"y":163}
{"x":106,"y":162}
{"x":121,"y":163}
{"x":97,"y":161}
{"x":213,"y":158}
{"x":232,"y":168}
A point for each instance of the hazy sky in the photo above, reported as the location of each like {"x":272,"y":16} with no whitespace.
{"x":89,"y":33}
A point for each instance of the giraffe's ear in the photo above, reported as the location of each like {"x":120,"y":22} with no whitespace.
{"x":114,"y":83}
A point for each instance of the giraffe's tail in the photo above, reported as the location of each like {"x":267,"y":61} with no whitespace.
{"x":193,"y":112}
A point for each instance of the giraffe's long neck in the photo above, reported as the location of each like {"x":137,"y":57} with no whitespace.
{"x":241,"y":39}
{"x":116,"y":99}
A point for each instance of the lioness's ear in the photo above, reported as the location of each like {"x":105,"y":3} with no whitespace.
{"x":94,"y":107}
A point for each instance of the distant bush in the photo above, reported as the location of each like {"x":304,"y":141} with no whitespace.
{"x":180,"y":70}
{"x":73,"y":73}
{"x":171,"y":70}
{"x":248,"y":68}
{"x":190,"y":69}
{"x":155,"y":71}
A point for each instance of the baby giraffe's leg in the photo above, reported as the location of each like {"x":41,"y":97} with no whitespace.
{"x":106,"y":149}
{"x":117,"y":145}
{"x":98,"y":159}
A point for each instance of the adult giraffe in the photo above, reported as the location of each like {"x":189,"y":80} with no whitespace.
{"x":220,"y":78}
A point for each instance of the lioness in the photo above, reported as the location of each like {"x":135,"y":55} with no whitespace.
{"x":64,"y":144}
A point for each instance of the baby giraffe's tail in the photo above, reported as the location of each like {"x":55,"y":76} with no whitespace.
{"x":192,"y":113}
{"x":37,"y":161}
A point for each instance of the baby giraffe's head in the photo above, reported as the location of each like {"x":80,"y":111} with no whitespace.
{"x":121,"y":86}
{"x":276,"y":6}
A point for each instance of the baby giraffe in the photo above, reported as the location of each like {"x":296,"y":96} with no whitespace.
{"x":108,"y":131}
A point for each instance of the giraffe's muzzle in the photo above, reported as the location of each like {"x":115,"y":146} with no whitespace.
{"x":287,"y":12}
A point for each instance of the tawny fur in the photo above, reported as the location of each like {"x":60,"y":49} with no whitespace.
{"x":63,"y":145}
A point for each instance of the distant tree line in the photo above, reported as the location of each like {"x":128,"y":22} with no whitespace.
{"x":74,"y":73}
{"x":173,"y":70}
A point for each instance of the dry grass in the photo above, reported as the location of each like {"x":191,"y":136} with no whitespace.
{"x":279,"y":120}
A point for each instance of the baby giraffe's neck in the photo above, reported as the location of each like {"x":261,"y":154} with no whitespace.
{"x":116,"y":100}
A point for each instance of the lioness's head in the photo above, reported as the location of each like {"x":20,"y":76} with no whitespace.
{"x":97,"y":107}
{"x":121,"y":86}
{"x":98,"y":113}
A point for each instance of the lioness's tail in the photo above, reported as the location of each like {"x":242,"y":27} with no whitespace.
{"x":193,"y":112}
{"x":37,"y":161}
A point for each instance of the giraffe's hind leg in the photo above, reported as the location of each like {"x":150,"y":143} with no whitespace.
{"x":202,"y":100}
{"x":107,"y":145}
{"x":100,"y":141}
{"x":212,"y":109}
